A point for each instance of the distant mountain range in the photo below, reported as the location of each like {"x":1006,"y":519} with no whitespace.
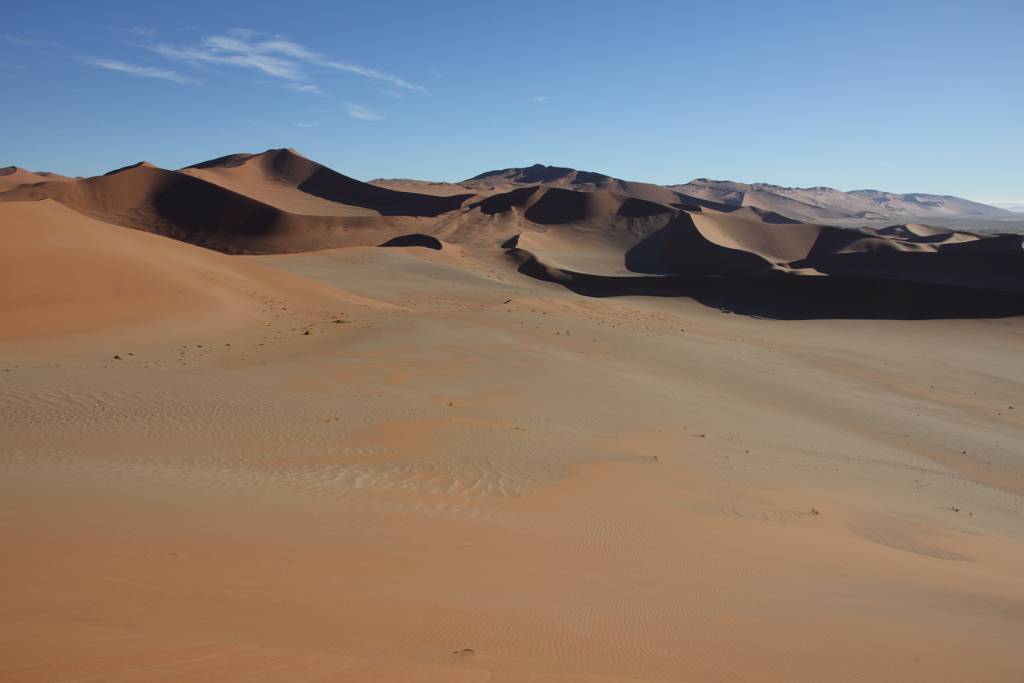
{"x":808,"y":204}
{"x":801,"y":203}
{"x":762,"y":249}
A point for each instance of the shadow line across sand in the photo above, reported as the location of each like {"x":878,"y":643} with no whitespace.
{"x":793,"y":297}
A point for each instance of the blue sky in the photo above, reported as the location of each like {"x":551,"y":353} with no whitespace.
{"x":900,"y":95}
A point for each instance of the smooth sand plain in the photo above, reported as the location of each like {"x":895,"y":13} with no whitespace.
{"x":464,"y":474}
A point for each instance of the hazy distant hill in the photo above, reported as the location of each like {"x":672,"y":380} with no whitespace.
{"x":808,"y":204}
{"x":825,"y":202}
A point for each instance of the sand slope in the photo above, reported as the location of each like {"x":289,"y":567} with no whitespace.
{"x":291,"y":182}
{"x":191,"y":209}
{"x":582,"y":223}
{"x":63,"y":273}
{"x":274,"y":202}
{"x":607,"y":233}
{"x":12,"y":177}
{"x":480,"y":476}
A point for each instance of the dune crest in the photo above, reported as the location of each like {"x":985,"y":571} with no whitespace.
{"x":64,"y":273}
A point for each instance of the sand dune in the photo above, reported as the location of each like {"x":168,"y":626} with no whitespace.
{"x":290,"y":181}
{"x":478,"y":475}
{"x":12,"y":177}
{"x":521,"y":443}
{"x":607,"y":233}
{"x":205,"y":209}
{"x":63,"y":273}
{"x":176,"y":205}
{"x":280,"y":201}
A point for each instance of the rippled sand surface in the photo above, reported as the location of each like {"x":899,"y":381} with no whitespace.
{"x":475,"y":476}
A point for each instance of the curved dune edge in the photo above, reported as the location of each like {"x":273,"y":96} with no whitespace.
{"x":281,"y":202}
{"x":63,"y":273}
{"x":789,"y":295}
{"x":589,"y":238}
{"x":276,"y":202}
{"x":415,"y":240}
{"x":12,"y":177}
{"x":291,"y":182}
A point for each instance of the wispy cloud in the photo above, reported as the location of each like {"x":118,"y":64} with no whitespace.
{"x":271,"y":55}
{"x":305,"y":87}
{"x":358,"y":111}
{"x":135,"y":70}
{"x":30,"y":42}
{"x":143,"y":32}
{"x":230,"y":51}
{"x":540,"y":98}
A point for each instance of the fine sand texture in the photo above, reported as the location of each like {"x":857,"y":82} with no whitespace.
{"x":496,"y":450}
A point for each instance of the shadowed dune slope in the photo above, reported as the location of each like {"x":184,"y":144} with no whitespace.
{"x":786,"y":296}
{"x":558,"y":206}
{"x":658,"y":239}
{"x":288,"y":180}
{"x":279,"y":201}
{"x":174,"y":205}
{"x":190,"y":209}
{"x":415,"y":240}
{"x":12,"y":177}
{"x":682,"y":248}
{"x":571,"y":179}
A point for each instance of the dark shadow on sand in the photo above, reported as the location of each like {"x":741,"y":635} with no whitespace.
{"x":795,"y":297}
{"x":415,"y":239}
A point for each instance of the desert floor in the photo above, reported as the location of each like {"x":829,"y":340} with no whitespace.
{"x":474,"y":476}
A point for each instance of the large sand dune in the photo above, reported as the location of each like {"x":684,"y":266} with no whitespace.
{"x":66,"y":274}
{"x":521,"y":443}
{"x":606,"y":233}
{"x":12,"y":177}
{"x":274,"y":202}
{"x":293,"y":183}
{"x":280,"y":201}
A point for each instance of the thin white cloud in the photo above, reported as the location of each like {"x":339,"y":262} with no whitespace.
{"x":540,"y":98}
{"x":305,"y":88}
{"x":273,"y":56}
{"x":31,"y":42}
{"x":135,"y":70}
{"x":358,"y":111}
{"x":220,"y":50}
{"x":243,"y":32}
{"x":143,"y":32}
{"x":370,"y":73}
